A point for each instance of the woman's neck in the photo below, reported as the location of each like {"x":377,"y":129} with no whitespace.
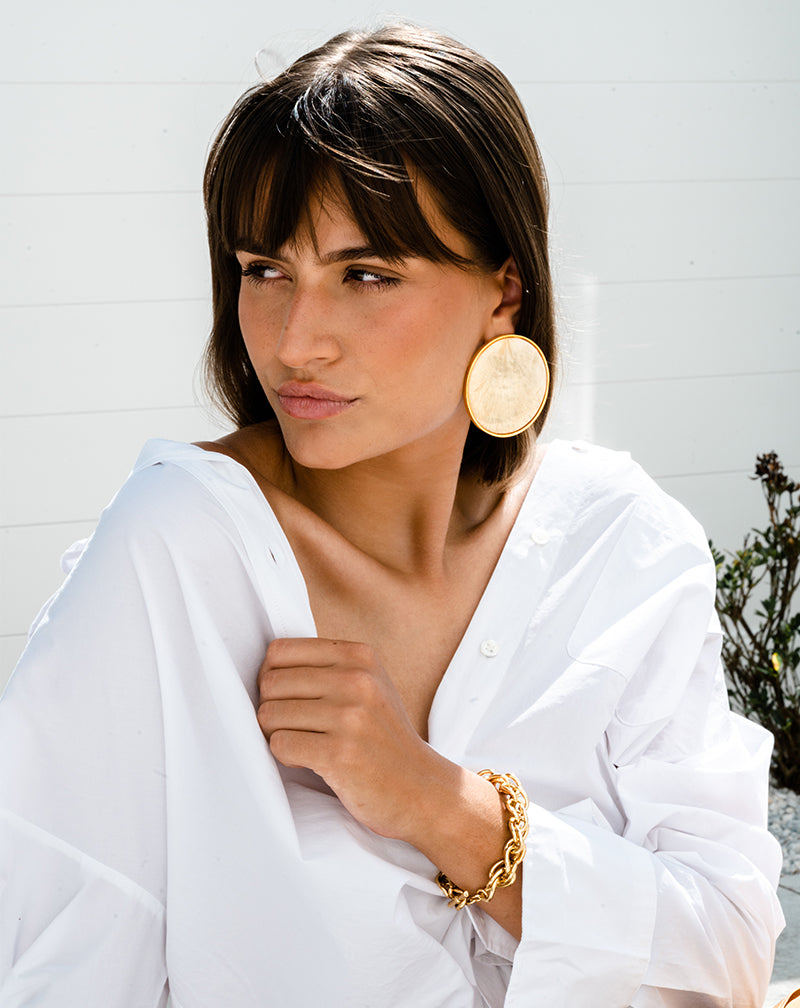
{"x":404,"y":512}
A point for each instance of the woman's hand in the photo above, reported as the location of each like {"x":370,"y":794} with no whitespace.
{"x":329,"y":705}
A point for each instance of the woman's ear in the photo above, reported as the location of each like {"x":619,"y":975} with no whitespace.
{"x":506,"y":314}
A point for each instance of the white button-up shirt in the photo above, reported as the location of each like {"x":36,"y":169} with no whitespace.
{"x":151,"y":846}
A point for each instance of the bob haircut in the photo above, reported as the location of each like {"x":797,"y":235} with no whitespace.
{"x":365,"y":116}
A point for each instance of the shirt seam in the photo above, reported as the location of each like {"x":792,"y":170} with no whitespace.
{"x":116,"y":878}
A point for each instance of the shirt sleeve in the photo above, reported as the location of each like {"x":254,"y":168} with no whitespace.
{"x":74,"y":932}
{"x":675,"y":905}
{"x":83,"y":759}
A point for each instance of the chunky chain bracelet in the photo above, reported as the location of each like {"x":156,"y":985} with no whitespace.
{"x":505,"y":871}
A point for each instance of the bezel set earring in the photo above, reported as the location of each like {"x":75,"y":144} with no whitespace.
{"x":506,"y":385}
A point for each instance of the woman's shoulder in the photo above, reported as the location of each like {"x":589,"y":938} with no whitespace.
{"x":184,"y":492}
{"x":258,"y":448}
{"x":249,"y":457}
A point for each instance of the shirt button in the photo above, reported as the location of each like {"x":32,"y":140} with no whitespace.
{"x":540,"y":536}
{"x":580,"y":446}
{"x":489,"y":648}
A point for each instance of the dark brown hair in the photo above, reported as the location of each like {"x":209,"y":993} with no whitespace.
{"x":370,"y":112}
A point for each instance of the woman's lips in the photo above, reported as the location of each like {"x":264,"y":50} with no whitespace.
{"x":308,"y":401}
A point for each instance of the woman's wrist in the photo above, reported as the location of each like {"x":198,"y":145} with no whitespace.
{"x":459,"y":822}
{"x":503,"y":872}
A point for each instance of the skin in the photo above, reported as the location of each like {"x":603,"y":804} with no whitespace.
{"x":395,"y":546}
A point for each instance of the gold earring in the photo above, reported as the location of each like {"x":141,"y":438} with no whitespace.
{"x":506,"y":385}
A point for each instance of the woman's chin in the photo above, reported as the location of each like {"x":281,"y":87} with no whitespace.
{"x":321,"y":452}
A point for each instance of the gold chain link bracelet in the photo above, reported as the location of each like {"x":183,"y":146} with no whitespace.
{"x":505,"y":871}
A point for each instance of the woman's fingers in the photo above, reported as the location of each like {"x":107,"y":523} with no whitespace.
{"x":330,"y":706}
{"x":289,"y":652}
{"x":313,"y":668}
{"x":294,"y":715}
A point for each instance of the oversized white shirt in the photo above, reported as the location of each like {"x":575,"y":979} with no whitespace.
{"x":150,"y":846}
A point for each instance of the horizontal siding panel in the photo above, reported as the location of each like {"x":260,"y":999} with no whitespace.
{"x":88,"y":358}
{"x":34,"y":552}
{"x":90,"y":138}
{"x":572,"y":40}
{"x":631,"y":40}
{"x":643,"y":132}
{"x":744,"y":507}
{"x":66,"y":469}
{"x":155,"y":41}
{"x":700,"y":425}
{"x":94,"y":249}
{"x":680,"y":231}
{"x":629,"y":332}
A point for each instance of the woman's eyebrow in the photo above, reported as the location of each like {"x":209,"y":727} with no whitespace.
{"x":351,"y":252}
{"x":361,"y":252}
{"x":332,"y":257}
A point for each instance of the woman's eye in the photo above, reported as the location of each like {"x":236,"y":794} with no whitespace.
{"x":258,"y":273}
{"x":369,"y":278}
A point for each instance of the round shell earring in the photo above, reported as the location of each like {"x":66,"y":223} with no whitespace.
{"x":506,"y":385}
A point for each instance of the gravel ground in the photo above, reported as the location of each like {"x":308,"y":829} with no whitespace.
{"x":784,"y":823}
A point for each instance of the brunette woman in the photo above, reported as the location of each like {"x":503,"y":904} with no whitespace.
{"x":379,"y":700}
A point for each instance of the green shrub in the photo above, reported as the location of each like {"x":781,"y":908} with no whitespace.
{"x":756,"y":588}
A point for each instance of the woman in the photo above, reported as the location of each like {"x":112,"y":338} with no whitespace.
{"x":248,"y":732}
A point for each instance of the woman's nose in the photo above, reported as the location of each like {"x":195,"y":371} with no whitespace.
{"x":308,"y":331}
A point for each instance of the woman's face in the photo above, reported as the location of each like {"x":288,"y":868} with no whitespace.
{"x":361,"y":357}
